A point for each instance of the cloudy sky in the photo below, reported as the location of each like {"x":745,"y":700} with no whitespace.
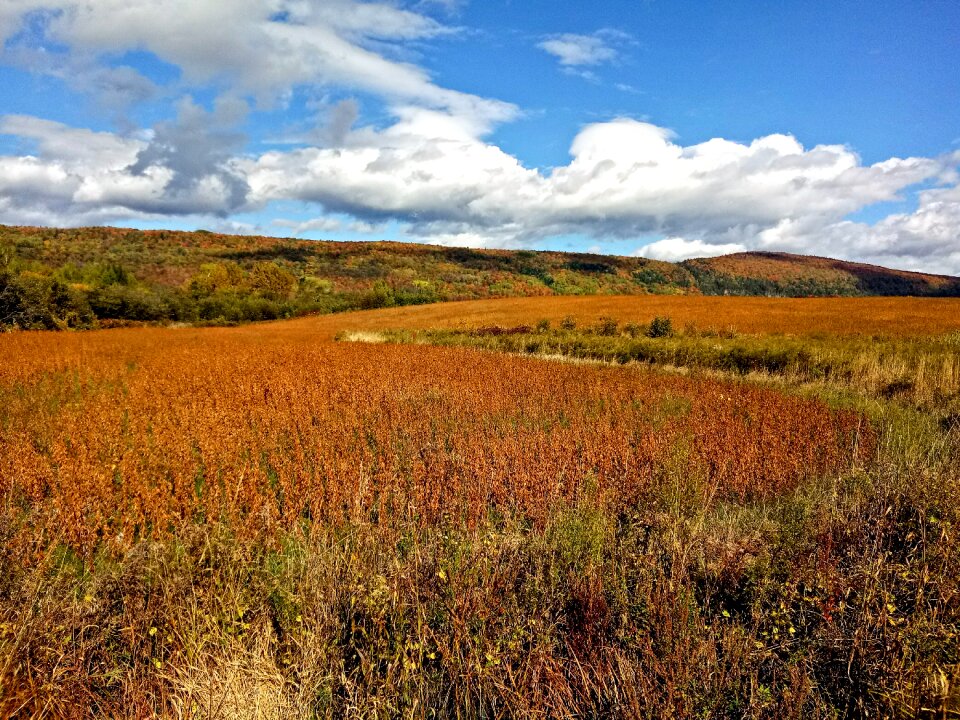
{"x":661,"y":128}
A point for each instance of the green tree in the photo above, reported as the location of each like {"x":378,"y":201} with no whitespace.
{"x":272,"y":281}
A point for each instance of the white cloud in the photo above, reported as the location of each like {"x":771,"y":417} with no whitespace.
{"x":234,"y":227}
{"x":267,"y":47}
{"x":926,"y":239}
{"x":575,"y":50}
{"x":79,"y":176}
{"x":427,"y":166}
{"x":675,"y":249}
{"x":113,"y":88}
{"x":626,"y":178}
{"x":324,"y":224}
{"x":431,"y":169}
{"x":433,"y":173}
{"x":196,"y":150}
{"x":71,"y":147}
{"x":366,"y":228}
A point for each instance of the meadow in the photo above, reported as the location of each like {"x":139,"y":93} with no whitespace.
{"x":798,"y":317}
{"x":439,"y":521}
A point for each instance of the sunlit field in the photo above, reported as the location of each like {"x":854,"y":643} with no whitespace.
{"x":436,"y":519}
{"x":887,"y":316}
{"x":132,"y":435}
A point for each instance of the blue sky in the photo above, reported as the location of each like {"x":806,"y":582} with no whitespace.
{"x":655,"y":128}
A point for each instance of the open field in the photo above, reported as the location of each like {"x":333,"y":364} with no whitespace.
{"x":263,"y":522}
{"x":267,"y":434}
{"x":897,"y":317}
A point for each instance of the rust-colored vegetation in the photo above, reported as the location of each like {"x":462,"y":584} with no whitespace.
{"x":260,"y":522}
{"x":888,"y":316}
{"x":113,"y":437}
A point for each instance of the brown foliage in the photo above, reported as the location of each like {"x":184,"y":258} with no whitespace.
{"x":110,"y":437}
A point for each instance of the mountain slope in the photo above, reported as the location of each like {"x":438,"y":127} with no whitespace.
{"x":84,"y":277}
{"x":772,"y":273}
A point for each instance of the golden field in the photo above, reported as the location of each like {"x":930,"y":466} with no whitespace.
{"x":261,"y":521}
{"x":111,"y":437}
{"x":894,"y":316}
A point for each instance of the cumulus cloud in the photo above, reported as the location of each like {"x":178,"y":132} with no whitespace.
{"x":365,"y":228}
{"x":434,"y":173}
{"x":575,"y":50}
{"x":431,"y":167}
{"x":427,"y":166}
{"x":323,"y":224}
{"x":196,"y":151}
{"x":78,"y":176}
{"x":73,"y":149}
{"x":272,"y":47}
{"x":675,"y":249}
{"x":626,"y":178}
{"x":235,"y":227}
{"x":926,"y":239}
{"x":340,"y":122}
{"x":73,"y":175}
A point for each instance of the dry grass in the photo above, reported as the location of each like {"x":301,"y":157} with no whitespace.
{"x":895,"y":317}
{"x":258,"y":522}
{"x":923,"y":370}
{"x":113,"y":437}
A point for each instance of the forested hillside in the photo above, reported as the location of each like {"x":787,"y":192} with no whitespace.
{"x":783,"y":274}
{"x":76,"y":278}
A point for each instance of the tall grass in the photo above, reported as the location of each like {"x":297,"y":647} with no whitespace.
{"x":923,"y":370}
{"x":576,"y":585}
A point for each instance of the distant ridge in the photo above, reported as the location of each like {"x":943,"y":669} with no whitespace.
{"x":778,"y":273}
{"x":85,"y":277}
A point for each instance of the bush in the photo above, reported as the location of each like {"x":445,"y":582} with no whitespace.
{"x":379,"y":297}
{"x":272,"y":281}
{"x":660,"y":327}
{"x":568,"y":323}
{"x":607,"y":326}
{"x":543,"y":326}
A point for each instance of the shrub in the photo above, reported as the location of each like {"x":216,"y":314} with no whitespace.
{"x":382,"y":295}
{"x":607,"y":326}
{"x":568,"y":323}
{"x":125,"y":302}
{"x":660,"y":327}
{"x":272,"y":281}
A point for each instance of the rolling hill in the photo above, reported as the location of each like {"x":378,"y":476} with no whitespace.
{"x":783,"y":274}
{"x":56,"y":278}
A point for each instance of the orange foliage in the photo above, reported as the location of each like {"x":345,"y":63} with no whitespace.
{"x":107,"y":437}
